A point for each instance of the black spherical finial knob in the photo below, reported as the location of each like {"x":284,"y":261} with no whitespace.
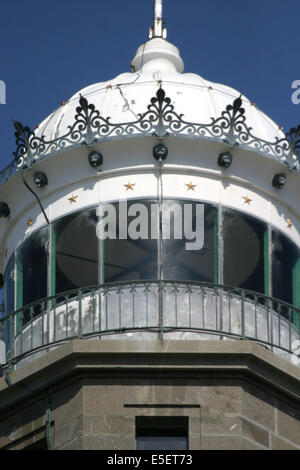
{"x":160,"y":151}
{"x":95,"y":159}
{"x":40,"y":179}
{"x":225,"y":159}
{"x":279,"y":181}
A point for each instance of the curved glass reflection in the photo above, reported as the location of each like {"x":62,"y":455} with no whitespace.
{"x":76,"y":251}
{"x":181,"y":263}
{"x":244,"y":245}
{"x":69,"y":255}
{"x":9,"y":286}
{"x":128,"y":259}
{"x":32,"y":261}
{"x":285,"y":269}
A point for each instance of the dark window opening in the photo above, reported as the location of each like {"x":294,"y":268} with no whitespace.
{"x":76,"y":251}
{"x":180,"y":263}
{"x":285,"y":268}
{"x":9,"y":286}
{"x":131,"y":259}
{"x":32,"y":261}
{"x":243,"y":238}
{"x":162,"y":433}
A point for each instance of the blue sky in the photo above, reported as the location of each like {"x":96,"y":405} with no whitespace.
{"x":52,"y":48}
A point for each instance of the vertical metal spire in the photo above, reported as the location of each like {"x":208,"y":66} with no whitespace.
{"x":158,"y":30}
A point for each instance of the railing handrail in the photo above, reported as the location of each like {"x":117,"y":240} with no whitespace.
{"x":106,"y":286}
{"x":24,"y":318}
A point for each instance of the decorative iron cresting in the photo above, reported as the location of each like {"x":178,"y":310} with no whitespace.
{"x":160,"y":120}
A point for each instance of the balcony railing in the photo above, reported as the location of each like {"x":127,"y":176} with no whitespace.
{"x":150,"y":310}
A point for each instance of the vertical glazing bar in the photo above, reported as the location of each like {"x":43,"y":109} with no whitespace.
{"x":19,"y":286}
{"x":52,"y":263}
{"x":216,"y":246}
{"x":267,"y":261}
{"x":219,"y":279}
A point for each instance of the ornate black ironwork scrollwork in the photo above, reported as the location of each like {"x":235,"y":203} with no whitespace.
{"x":23,"y":151}
{"x":160,"y":120}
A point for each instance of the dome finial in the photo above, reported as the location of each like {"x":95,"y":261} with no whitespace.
{"x":157,"y":30}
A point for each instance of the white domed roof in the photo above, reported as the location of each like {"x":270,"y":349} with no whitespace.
{"x":122,"y":100}
{"x":156,"y":63}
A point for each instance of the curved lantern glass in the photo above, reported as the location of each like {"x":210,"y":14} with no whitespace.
{"x":75,"y":243}
{"x":244,"y":242}
{"x":234,"y":248}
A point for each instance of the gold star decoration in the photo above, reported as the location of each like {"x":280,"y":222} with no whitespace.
{"x":29,"y":222}
{"x":129,"y":186}
{"x":247,"y":200}
{"x":73,"y":199}
{"x":191,"y":186}
{"x":289,"y":223}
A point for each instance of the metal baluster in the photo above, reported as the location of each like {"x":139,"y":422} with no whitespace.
{"x":31,"y":327}
{"x":54,"y":323}
{"x":243,"y":313}
{"x":147,"y":307}
{"x":279,"y":320}
{"x":133,"y":310}
{"x":176,"y":307}
{"x":80,"y":314}
{"x":106,"y":310}
{"x":42,"y":318}
{"x":67,"y":314}
{"x":94,"y":308}
{"x":290,"y":329}
{"x":120,"y":309}
{"x":229,"y":309}
{"x":203,"y":306}
{"x":99,"y":308}
{"x":190,"y":312}
{"x":216,"y":307}
{"x":21,"y":332}
{"x":11,"y":343}
{"x":255,"y":317}
{"x":160,"y":309}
